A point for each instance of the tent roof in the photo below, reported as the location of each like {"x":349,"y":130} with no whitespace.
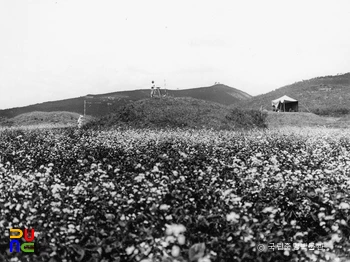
{"x":283,"y":99}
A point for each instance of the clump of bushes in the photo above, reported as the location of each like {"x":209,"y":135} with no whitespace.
{"x":247,"y":118}
{"x":331,"y":111}
{"x":6,"y":122}
{"x":181,"y":112}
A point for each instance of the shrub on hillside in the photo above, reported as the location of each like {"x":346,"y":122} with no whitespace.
{"x":175,"y":113}
{"x":179,"y":113}
{"x":331,"y":111}
{"x":247,"y":118}
{"x":6,"y":122}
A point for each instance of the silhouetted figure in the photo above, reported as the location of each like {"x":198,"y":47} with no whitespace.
{"x":158,"y":91}
{"x":80,"y":121}
{"x":152,"y":89}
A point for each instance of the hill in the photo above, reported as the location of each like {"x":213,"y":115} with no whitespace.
{"x":217,"y":93}
{"x":180,"y":112}
{"x":56,"y":118}
{"x":328,"y":95}
{"x":102,"y":104}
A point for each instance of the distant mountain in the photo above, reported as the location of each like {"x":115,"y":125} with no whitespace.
{"x":327,"y":95}
{"x":101,"y":104}
{"x":217,"y":93}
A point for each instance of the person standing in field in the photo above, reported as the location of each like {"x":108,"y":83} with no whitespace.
{"x":80,"y":121}
{"x":158,"y":91}
{"x":152,"y":89}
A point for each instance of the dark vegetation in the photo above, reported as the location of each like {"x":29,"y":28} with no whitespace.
{"x":247,"y":118}
{"x":332,"y":111}
{"x":180,"y":112}
{"x":6,"y":122}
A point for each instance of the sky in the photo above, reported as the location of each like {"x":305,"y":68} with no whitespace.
{"x":58,"y":49}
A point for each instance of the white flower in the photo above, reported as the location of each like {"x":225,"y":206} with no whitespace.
{"x":93,"y":199}
{"x":175,"y":229}
{"x":170,"y":239}
{"x":130,"y":250}
{"x":181,"y":239}
{"x":164,"y":207}
{"x":321,"y":215}
{"x":344,"y":205}
{"x":269,"y":210}
{"x":155,"y":169}
{"x":175,"y":251}
{"x":140,"y":177}
{"x":247,"y":204}
{"x":232,"y":217}
{"x":110,"y":217}
{"x":335,"y":227}
{"x":227,"y":192}
{"x":204,"y":259}
{"x":336,"y":238}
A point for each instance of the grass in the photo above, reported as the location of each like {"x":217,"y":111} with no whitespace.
{"x":303,"y":119}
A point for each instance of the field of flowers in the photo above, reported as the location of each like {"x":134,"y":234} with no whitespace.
{"x":177,"y":195}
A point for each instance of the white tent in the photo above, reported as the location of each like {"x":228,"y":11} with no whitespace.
{"x":285,"y":103}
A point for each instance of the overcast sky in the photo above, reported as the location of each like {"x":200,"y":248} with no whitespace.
{"x":57,"y":49}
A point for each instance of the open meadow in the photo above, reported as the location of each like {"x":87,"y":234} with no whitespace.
{"x":177,"y":194}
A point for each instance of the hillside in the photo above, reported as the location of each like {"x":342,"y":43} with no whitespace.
{"x":218,"y":93}
{"x":180,"y":112}
{"x":303,"y":119}
{"x":102,"y":104}
{"x":328,"y":95}
{"x":36,"y":118}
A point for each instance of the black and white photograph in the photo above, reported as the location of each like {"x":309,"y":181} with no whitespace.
{"x":174,"y":131}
